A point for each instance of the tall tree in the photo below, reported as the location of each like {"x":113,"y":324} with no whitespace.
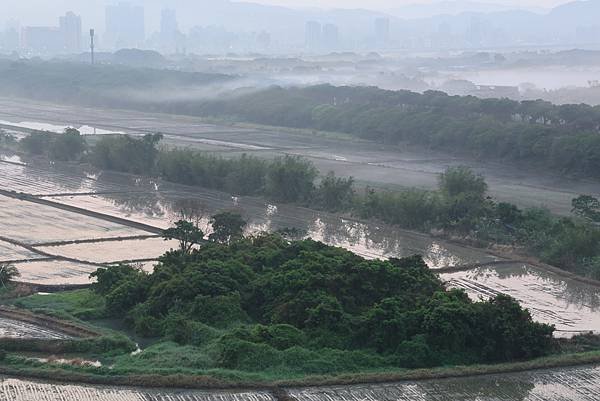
{"x":8,"y":273}
{"x":227,"y":227}
{"x":587,"y":206}
{"x":187,"y":233}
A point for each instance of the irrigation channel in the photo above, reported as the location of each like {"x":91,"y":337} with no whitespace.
{"x":58,"y":224}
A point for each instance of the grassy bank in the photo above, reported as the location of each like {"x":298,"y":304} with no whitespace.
{"x":222,"y":379}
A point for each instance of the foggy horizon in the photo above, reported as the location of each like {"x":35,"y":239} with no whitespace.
{"x":299,"y":200}
{"x":40,"y":12}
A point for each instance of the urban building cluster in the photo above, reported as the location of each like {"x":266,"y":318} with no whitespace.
{"x":125,"y":27}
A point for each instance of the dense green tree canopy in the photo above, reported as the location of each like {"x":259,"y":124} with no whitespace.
{"x":271,"y":295}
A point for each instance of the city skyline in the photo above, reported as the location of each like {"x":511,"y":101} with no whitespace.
{"x":42,"y":12}
{"x":223,"y":27}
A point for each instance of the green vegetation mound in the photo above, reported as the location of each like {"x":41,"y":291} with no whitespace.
{"x":264,"y":304}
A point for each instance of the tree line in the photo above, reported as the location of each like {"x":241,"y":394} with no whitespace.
{"x":460,"y":206}
{"x":562,"y":137}
{"x":565,"y":138}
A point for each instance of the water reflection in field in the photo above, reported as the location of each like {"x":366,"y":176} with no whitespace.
{"x":23,"y":390}
{"x":160,"y":209}
{"x":574,"y":384}
{"x":571,"y":305}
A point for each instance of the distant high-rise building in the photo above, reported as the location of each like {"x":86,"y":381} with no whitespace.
{"x":168,"y":23}
{"x":125,"y":26}
{"x":330,"y":37}
{"x":382,"y":31}
{"x":70,"y":28}
{"x":263,"y":40}
{"x":42,"y":39}
{"x":313,"y":35}
{"x":10,"y":38}
{"x":169,"y":36}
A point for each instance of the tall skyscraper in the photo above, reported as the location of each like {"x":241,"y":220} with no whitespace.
{"x":330,"y":37}
{"x":382,"y":31}
{"x":10,"y":38}
{"x":313,"y":35}
{"x":168,"y":22}
{"x":70,"y":28}
{"x":42,"y":39}
{"x":125,"y":26}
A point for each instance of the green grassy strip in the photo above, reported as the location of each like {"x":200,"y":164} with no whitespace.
{"x":219,"y":379}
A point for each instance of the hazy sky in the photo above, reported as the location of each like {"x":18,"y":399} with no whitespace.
{"x":387,"y":4}
{"x":45,"y":12}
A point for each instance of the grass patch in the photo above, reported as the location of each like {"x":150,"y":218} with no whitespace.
{"x":223,"y":378}
{"x":80,"y":304}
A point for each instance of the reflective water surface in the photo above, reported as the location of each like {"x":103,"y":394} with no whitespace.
{"x":572,"y":306}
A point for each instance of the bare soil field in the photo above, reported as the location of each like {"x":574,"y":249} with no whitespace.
{"x":367,"y":162}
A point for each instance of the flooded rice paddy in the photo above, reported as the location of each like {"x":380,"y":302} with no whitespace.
{"x":367,"y":162}
{"x":572,"y":306}
{"x":71,"y":244}
{"x":47,"y":232}
{"x":10,"y":328}
{"x":33,"y":223}
{"x":567,"y":384}
{"x":20,"y":390}
{"x":10,"y":252}
{"x":111,"y":252}
{"x":55,"y":272}
{"x":573,"y":384}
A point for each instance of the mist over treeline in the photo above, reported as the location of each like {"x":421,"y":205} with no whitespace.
{"x":564,"y":138}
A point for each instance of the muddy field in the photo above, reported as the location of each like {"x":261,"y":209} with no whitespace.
{"x":53,"y":235}
{"x":367,"y":162}
{"x":111,"y":252}
{"x":33,"y":223}
{"x":55,"y":272}
{"x":49,"y":232}
{"x":20,"y":390}
{"x":16,"y":329}
{"x":570,"y":305}
{"x":574,"y":384}
{"x":9,"y":252}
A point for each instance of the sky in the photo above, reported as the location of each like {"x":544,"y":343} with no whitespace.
{"x":390,"y":4}
{"x":46,"y":12}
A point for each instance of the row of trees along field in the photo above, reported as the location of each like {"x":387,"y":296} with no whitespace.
{"x":562,"y":137}
{"x":459,"y":207}
{"x":268,"y":304}
{"x":565,"y":138}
